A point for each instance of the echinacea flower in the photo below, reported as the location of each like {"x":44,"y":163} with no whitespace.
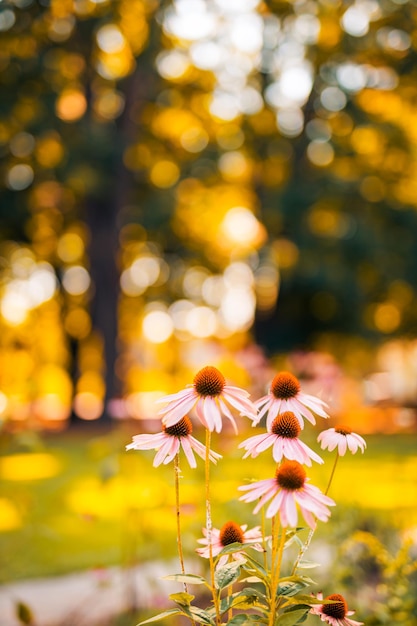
{"x":229,"y":533}
{"x":283,"y":437}
{"x":288,"y":488}
{"x":335,"y":613}
{"x":208,"y":396}
{"x":170,"y":440}
{"x":343,"y":438}
{"x":285,"y":395}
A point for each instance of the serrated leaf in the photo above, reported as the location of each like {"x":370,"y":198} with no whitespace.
{"x":227,"y":574}
{"x":191,"y":579}
{"x":291,"y":618}
{"x":160,"y":616}
{"x":182,"y":598}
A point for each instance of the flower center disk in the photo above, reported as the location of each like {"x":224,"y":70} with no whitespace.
{"x":285,"y":385}
{"x":286,"y":425}
{"x":343,"y":430}
{"x":183,"y":428}
{"x":338,"y":609}
{"x":231,"y":533}
{"x":291,"y":475}
{"x":209,"y":381}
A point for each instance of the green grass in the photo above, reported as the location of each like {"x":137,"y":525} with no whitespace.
{"x":103,"y":506}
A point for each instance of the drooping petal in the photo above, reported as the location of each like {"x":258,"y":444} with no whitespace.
{"x":199,"y":409}
{"x":312,"y":402}
{"x":173,"y":413}
{"x":224,"y":409}
{"x":212,"y":413}
{"x":302,"y":408}
{"x":241,"y":404}
{"x":169,"y":449}
{"x":174,"y":396}
{"x":187,"y":447}
{"x":289,"y":509}
{"x":275,"y":504}
{"x":342,"y":447}
{"x":310,"y":453}
{"x":274,"y":409}
{"x":147,"y":442}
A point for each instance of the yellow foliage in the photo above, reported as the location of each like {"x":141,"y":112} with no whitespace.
{"x":29,"y":466}
{"x":9,"y":515}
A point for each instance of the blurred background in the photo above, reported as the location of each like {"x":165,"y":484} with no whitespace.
{"x":193,"y":182}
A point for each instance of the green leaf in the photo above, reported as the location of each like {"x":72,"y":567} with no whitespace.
{"x":160,"y":616}
{"x":263,"y":574}
{"x":307,"y":565}
{"x":241,"y":619}
{"x":199,"y":615}
{"x":291,"y":585}
{"x":291,"y":617}
{"x":302,"y":599}
{"x":182,"y":598}
{"x":227,"y":574}
{"x":191,"y":579}
{"x":231,"y":548}
{"x":23,"y":613}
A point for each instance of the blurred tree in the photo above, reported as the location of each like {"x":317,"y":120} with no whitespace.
{"x":171,"y":169}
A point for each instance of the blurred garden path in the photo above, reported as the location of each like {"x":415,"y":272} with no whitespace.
{"x":88,"y":598}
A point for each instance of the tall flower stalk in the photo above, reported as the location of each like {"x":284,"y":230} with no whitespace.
{"x":177,"y":472}
{"x":209,"y":526}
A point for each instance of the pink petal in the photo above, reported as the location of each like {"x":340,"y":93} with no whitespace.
{"x":241,"y":404}
{"x":212,"y":414}
{"x":227,"y":413}
{"x":187,"y":447}
{"x":342,"y":447}
{"x":174,"y":396}
{"x":276,"y":504}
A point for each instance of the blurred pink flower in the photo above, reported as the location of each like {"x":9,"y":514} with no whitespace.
{"x":343,"y":438}
{"x":287,"y":489}
{"x":285,"y":395}
{"x":229,"y":533}
{"x":170,"y":440}
{"x":208,"y":396}
{"x":336,"y":613}
{"x":283,"y":437}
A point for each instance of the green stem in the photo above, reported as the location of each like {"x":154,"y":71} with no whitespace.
{"x":178,"y":512}
{"x":332,"y":474}
{"x":275,"y":572}
{"x":306,"y":545}
{"x":209,"y":528}
{"x":264,"y":540}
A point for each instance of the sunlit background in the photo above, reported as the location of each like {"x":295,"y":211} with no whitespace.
{"x":192,"y":182}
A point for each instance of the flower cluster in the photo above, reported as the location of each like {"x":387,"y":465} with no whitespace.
{"x":288,"y":492}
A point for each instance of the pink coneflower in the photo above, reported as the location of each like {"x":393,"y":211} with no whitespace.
{"x":283,"y":437}
{"x":335,"y":613}
{"x":285,"y":395}
{"x":341,"y":438}
{"x":170,"y":440}
{"x":288,"y":488}
{"x":229,"y":533}
{"x":208,"y":396}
